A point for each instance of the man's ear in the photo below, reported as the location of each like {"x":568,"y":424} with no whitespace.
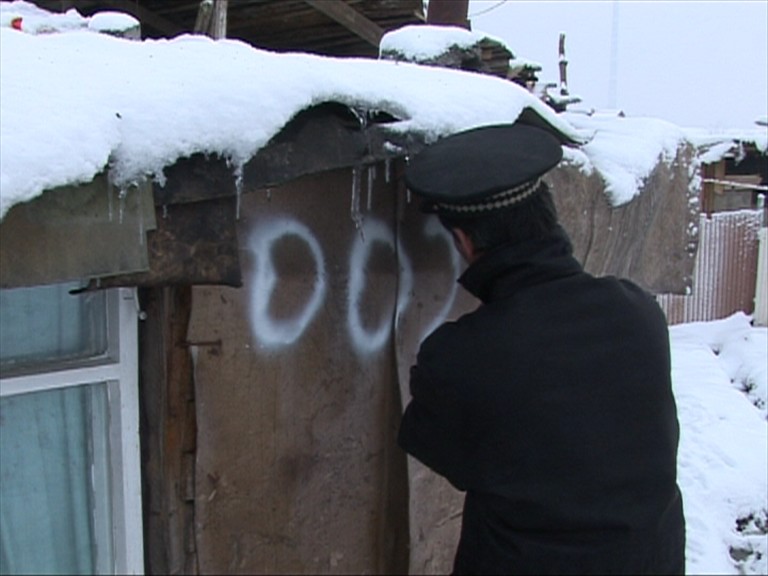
{"x":464,"y":244}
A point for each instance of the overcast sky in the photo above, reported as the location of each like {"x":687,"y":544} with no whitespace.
{"x":694,"y":63}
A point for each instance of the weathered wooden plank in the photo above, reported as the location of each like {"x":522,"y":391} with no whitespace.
{"x":349,"y":18}
{"x":169,"y":431}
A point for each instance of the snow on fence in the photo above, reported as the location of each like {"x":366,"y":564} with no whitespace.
{"x":725,"y":274}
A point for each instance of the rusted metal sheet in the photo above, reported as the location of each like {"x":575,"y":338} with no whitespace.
{"x":725,"y":273}
{"x":121,"y":238}
{"x":195,"y":178}
{"x":297,"y":466}
{"x":75,"y":232}
{"x":194,"y":243}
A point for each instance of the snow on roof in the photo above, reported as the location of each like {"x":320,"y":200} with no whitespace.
{"x":418,"y":42}
{"x":625,"y":150}
{"x":714,"y":145}
{"x":76,"y":103}
{"x":33,"y":20}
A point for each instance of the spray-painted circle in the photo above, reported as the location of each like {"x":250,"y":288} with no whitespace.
{"x":270,"y":332}
{"x":363,"y":339}
{"x":433,"y":229}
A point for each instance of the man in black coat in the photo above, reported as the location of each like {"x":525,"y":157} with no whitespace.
{"x":551,"y":404}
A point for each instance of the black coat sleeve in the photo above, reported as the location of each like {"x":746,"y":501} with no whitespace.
{"x":431,"y":427}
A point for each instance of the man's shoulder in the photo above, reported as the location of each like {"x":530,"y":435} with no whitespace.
{"x":453,"y":337}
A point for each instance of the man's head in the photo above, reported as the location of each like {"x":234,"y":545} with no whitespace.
{"x":485,"y":186}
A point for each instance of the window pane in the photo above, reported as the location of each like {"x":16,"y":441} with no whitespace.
{"x":54,"y":498}
{"x":46,"y":323}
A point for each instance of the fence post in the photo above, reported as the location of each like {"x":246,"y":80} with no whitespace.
{"x":760,"y":316}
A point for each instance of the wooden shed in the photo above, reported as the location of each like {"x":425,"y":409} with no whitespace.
{"x":277,"y":317}
{"x":276,"y":340}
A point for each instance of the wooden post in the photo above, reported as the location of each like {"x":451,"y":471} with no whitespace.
{"x":448,"y":13}
{"x":563,"y":63}
{"x":219,"y":20}
{"x":212,"y":18}
{"x":168,"y":431}
{"x":203,"y":21}
{"x":169,"y":413}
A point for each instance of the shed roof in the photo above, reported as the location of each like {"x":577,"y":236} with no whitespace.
{"x":280,"y":25}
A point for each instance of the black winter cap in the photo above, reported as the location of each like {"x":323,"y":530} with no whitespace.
{"x":483,"y":169}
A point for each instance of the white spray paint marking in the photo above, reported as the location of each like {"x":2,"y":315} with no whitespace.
{"x":405,"y":281}
{"x":365,"y":340}
{"x":433,"y":229}
{"x":270,"y":332}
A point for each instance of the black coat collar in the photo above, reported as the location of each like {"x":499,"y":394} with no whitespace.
{"x":508,"y":268}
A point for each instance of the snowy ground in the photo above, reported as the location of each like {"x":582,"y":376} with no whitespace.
{"x":721,"y":384}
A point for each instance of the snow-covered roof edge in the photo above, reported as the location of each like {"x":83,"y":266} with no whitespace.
{"x":137,"y":107}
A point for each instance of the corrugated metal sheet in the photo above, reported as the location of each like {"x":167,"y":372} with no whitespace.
{"x":725,"y":273}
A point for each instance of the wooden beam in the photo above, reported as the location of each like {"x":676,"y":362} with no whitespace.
{"x":168,"y":431}
{"x":350,"y":18}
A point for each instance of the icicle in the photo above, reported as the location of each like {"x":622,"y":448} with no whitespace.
{"x":371,"y":178}
{"x":110,"y":192}
{"x":387,"y":166}
{"x":408,"y":195}
{"x":238,"y":197}
{"x":122,"y":195}
{"x":165,"y":211}
{"x":238,"y":189}
{"x":357,"y":217}
{"x":141,"y":222}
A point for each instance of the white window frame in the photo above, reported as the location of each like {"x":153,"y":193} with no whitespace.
{"x":118,"y":368}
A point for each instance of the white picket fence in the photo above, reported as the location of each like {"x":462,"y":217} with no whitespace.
{"x":729,"y":273}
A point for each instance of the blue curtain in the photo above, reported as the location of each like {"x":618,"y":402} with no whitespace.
{"x":47,"y":324}
{"x":46,"y":481}
{"x":54,"y":462}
